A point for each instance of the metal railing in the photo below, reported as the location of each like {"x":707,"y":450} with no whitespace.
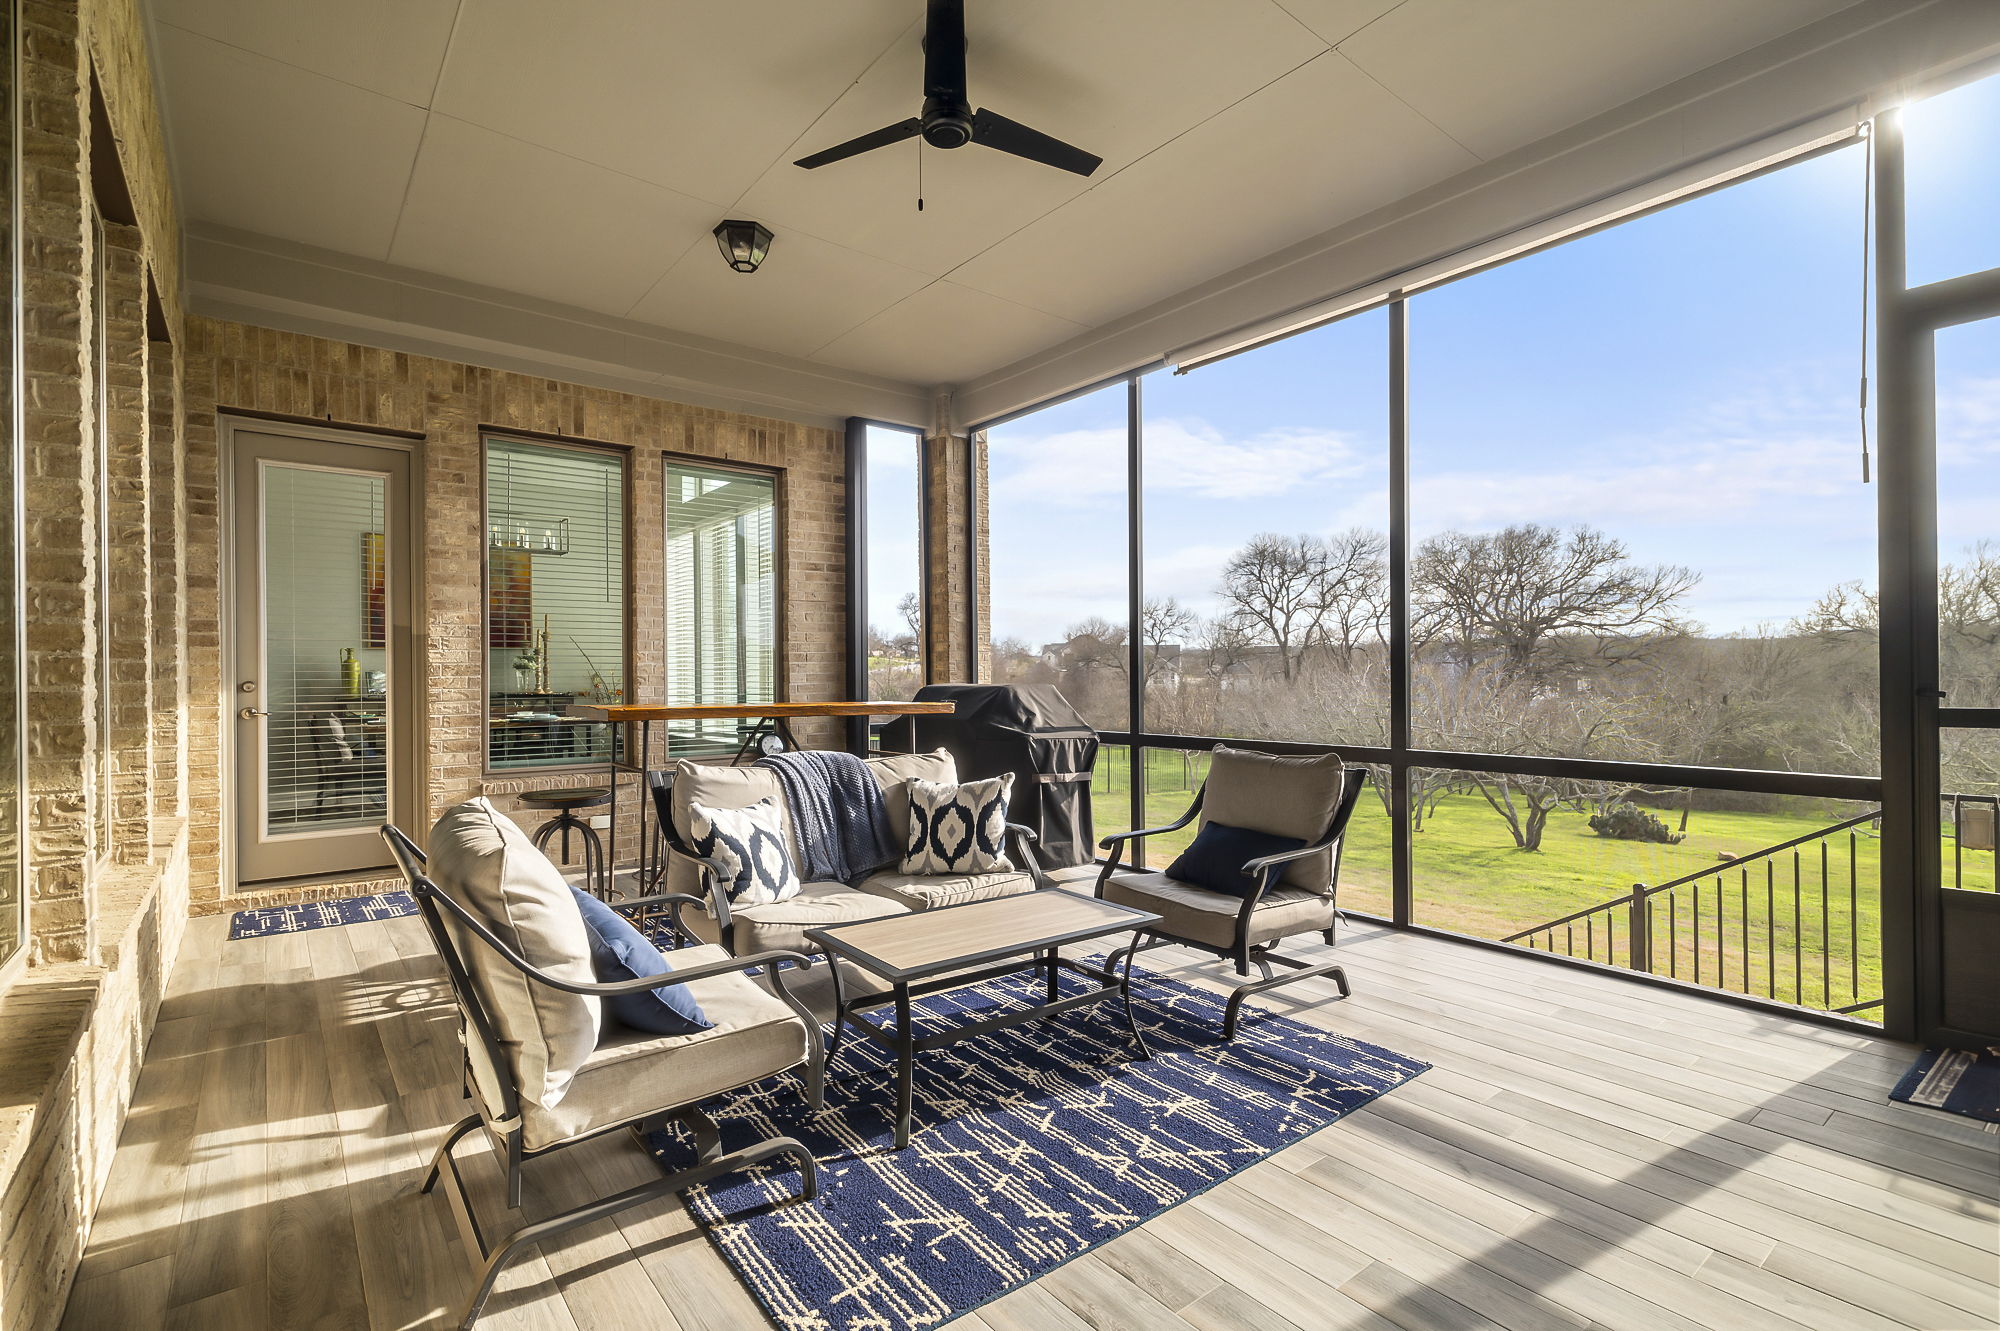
{"x":1705,"y":926}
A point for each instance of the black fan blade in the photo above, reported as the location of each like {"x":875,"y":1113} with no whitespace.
{"x":1011,"y":136}
{"x":881,"y":138}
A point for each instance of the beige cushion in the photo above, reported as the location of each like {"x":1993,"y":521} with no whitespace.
{"x":1187,"y":911}
{"x":893,"y":771}
{"x":928,"y":891}
{"x":723,"y":786}
{"x":782,"y":924}
{"x":486,"y":864}
{"x":633,"y":1074}
{"x":1285,"y":796}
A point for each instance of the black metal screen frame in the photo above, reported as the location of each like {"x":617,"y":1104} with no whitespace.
{"x":1906,"y":320}
{"x":856,"y":478}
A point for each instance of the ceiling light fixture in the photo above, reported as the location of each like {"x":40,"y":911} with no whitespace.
{"x":743,"y":244}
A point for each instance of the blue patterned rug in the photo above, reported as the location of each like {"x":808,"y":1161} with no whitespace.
{"x":268,"y":920}
{"x":1957,"y":1081}
{"x":1032,"y":1146}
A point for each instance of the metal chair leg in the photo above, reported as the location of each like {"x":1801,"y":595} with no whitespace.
{"x":1232,"y":1011}
{"x":443,"y":1155}
{"x":529,"y":1235}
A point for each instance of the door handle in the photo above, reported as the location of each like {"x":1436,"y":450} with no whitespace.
{"x":251,"y":713}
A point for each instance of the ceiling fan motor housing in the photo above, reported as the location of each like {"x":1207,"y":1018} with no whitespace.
{"x":946,"y":125}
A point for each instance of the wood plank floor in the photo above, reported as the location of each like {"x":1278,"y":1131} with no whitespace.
{"x":1585,"y":1153}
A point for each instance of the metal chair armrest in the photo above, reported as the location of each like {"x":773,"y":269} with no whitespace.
{"x":662,"y":899}
{"x":1263,"y":862}
{"x":637,"y":985}
{"x":715,"y":899}
{"x":1026,"y":840}
{"x":674,"y":902}
{"x":1115,"y":843}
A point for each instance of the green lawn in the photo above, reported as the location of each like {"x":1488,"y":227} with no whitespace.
{"x":1470,"y":878}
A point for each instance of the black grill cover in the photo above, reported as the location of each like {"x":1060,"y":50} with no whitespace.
{"x":1029,"y":730}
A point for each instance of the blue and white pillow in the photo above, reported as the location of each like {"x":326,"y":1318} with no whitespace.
{"x":619,"y":952}
{"x":749,"y":846}
{"x":958,"y":829}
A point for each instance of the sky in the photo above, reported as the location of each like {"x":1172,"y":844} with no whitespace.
{"x":1686,"y":382}
{"x":894,"y":549}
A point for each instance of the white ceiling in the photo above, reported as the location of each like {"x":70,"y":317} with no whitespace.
{"x":580,"y":152}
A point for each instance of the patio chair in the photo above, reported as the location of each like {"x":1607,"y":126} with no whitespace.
{"x":1289,"y":893}
{"x":515,"y":1017}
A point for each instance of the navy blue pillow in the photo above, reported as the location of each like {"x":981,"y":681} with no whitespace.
{"x":1216,"y":859}
{"x":618,"y":951}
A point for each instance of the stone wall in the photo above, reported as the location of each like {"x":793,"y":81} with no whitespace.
{"x":238,"y":368}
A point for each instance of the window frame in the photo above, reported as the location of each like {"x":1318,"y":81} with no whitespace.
{"x":1399,"y":757}
{"x":623,"y":453}
{"x":859,"y":507}
{"x":780,"y":557}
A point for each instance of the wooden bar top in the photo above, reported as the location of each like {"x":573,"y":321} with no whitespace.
{"x":623,"y":713}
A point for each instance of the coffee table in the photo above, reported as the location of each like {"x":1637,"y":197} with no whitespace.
{"x":930,"y":951}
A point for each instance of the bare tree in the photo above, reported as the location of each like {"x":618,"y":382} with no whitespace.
{"x":1302,"y":593}
{"x":1356,"y":595}
{"x":1163,"y":623}
{"x":1276,"y":587}
{"x":1543,"y":599}
{"x":911,"y":607}
{"x":1968,"y":624}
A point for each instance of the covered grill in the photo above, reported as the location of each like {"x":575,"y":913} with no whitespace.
{"x":1029,"y":730}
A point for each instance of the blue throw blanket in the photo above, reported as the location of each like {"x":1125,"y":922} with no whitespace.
{"x":837,"y":812}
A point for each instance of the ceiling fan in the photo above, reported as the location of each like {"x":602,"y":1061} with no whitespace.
{"x":948,"y":120}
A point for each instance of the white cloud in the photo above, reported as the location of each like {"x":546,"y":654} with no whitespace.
{"x":1078,"y":468}
{"x":1689,"y":482}
{"x":1968,"y":421}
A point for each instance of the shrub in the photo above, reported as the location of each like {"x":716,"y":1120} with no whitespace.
{"x":1629,"y":822}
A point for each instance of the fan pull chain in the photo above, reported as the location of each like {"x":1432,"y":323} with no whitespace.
{"x":920,"y":175}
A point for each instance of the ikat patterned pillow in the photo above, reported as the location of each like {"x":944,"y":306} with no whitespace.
{"x":958,"y":829}
{"x":748,"y":845}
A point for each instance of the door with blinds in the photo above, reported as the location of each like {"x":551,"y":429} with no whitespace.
{"x":320,"y":694}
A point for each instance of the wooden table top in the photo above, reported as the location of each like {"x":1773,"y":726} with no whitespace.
{"x":928,"y":942}
{"x":743,"y":711}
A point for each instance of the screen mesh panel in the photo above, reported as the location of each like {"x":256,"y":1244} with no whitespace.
{"x":722,"y":611}
{"x":325,"y":659}
{"x":555,"y":604}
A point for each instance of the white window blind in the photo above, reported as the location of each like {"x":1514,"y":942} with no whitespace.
{"x":555,"y":604}
{"x":325,"y":662}
{"x":721,"y":592}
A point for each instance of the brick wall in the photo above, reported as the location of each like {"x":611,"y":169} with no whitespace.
{"x":950,"y":650}
{"x":103,"y":928}
{"x":244,"y":368}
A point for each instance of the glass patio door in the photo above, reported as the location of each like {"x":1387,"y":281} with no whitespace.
{"x":319,"y":696}
{"x":1966,"y":368}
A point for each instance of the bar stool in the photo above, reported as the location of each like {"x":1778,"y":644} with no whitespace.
{"x":566,"y":802}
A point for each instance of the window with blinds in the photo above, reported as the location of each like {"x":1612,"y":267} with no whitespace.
{"x":555,"y":601}
{"x":721,"y":594}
